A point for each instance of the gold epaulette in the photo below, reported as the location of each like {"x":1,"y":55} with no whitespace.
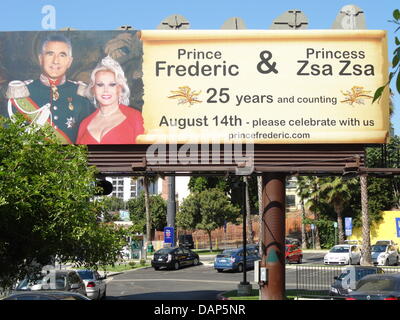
{"x":18,"y":89}
{"x":81,"y":88}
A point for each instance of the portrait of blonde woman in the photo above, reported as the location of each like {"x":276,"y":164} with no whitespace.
{"x":114,"y":122}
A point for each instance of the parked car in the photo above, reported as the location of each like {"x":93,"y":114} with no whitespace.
{"x":347,"y":281}
{"x":61,"y":280}
{"x":293,"y":253}
{"x":377,"y":287}
{"x":186,"y":240}
{"x":384,"y":254}
{"x":96,"y":287}
{"x":292,"y":241}
{"x":174,"y":258}
{"x":46,"y":295}
{"x":343,"y":254}
{"x":232,"y":259}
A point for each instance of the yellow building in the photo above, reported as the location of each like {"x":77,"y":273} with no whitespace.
{"x":386,"y":229}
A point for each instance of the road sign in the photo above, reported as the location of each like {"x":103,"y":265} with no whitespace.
{"x":398,"y":227}
{"x":169,"y":235}
{"x":348,"y":226}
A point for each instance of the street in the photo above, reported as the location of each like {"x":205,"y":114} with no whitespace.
{"x":200,"y":282}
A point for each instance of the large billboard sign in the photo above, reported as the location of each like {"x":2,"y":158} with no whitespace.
{"x":265,"y":87}
{"x":199,"y":86}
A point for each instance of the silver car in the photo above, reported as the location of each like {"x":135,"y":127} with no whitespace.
{"x":96,"y":287}
{"x":384,"y":255}
{"x":61,"y":280}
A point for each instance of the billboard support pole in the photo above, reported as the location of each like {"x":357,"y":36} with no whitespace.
{"x":273,"y":241}
{"x":171,"y":206}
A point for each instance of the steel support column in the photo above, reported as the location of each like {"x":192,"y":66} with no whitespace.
{"x":273,"y":241}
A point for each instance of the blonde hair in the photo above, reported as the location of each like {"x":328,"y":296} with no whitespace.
{"x":109,"y":64}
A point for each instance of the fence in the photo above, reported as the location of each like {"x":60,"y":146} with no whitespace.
{"x":315,"y":281}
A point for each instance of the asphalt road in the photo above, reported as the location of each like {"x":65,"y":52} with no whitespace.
{"x":200,"y":282}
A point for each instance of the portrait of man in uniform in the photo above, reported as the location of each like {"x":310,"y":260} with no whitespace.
{"x":52,"y":99}
{"x":44,"y":75}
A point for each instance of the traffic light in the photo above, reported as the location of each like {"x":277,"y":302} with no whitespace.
{"x":238,"y":192}
{"x":104,"y":187}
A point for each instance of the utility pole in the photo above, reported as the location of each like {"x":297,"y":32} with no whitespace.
{"x":351,"y":17}
{"x":244,"y":287}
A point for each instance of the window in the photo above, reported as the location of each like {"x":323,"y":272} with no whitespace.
{"x":290,"y":200}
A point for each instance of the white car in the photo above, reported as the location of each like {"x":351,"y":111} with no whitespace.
{"x":343,"y":254}
{"x":95,"y":285}
{"x":384,"y":255}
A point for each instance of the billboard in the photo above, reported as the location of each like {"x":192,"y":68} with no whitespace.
{"x":199,"y":86}
{"x":264,"y":86}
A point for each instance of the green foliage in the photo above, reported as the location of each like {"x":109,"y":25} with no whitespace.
{"x":326,"y":230}
{"x":315,"y":193}
{"x":227,"y":185}
{"x":206,"y":210}
{"x":137,"y":212}
{"x":395,"y":60}
{"x":111,"y":206}
{"x":45,"y":207}
{"x":199,"y":184}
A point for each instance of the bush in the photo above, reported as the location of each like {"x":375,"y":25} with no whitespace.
{"x":132,"y":263}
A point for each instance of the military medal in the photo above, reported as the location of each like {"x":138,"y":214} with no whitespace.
{"x":70,"y":105}
{"x":70,"y":122}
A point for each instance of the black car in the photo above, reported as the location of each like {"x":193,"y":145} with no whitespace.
{"x":349,"y":279}
{"x":377,"y":287}
{"x":186,"y":240}
{"x":174,"y":258}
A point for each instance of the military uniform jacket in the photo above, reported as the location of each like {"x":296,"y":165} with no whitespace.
{"x":67,"y":111}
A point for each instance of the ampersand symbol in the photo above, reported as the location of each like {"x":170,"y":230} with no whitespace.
{"x":265,"y":62}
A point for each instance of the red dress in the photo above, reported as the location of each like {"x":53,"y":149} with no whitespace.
{"x":125,"y":133}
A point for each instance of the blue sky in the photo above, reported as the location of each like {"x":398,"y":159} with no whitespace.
{"x":23,"y":15}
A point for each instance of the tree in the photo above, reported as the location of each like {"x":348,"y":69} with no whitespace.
{"x":112,"y":205}
{"x":137,"y":212}
{"x":198,"y":184}
{"x":45,"y":207}
{"x":206,"y":210}
{"x":309,"y":188}
{"x":337,"y":193}
{"x":303,"y":193}
{"x":229,"y":185}
{"x":146,"y":181}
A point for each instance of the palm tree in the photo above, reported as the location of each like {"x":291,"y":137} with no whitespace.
{"x":303,"y":192}
{"x":146,"y":180}
{"x":366,"y":258}
{"x":338,"y":194}
{"x":309,"y":189}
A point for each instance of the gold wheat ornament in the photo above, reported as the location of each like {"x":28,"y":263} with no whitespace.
{"x":357,"y":94}
{"x":185,"y":95}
